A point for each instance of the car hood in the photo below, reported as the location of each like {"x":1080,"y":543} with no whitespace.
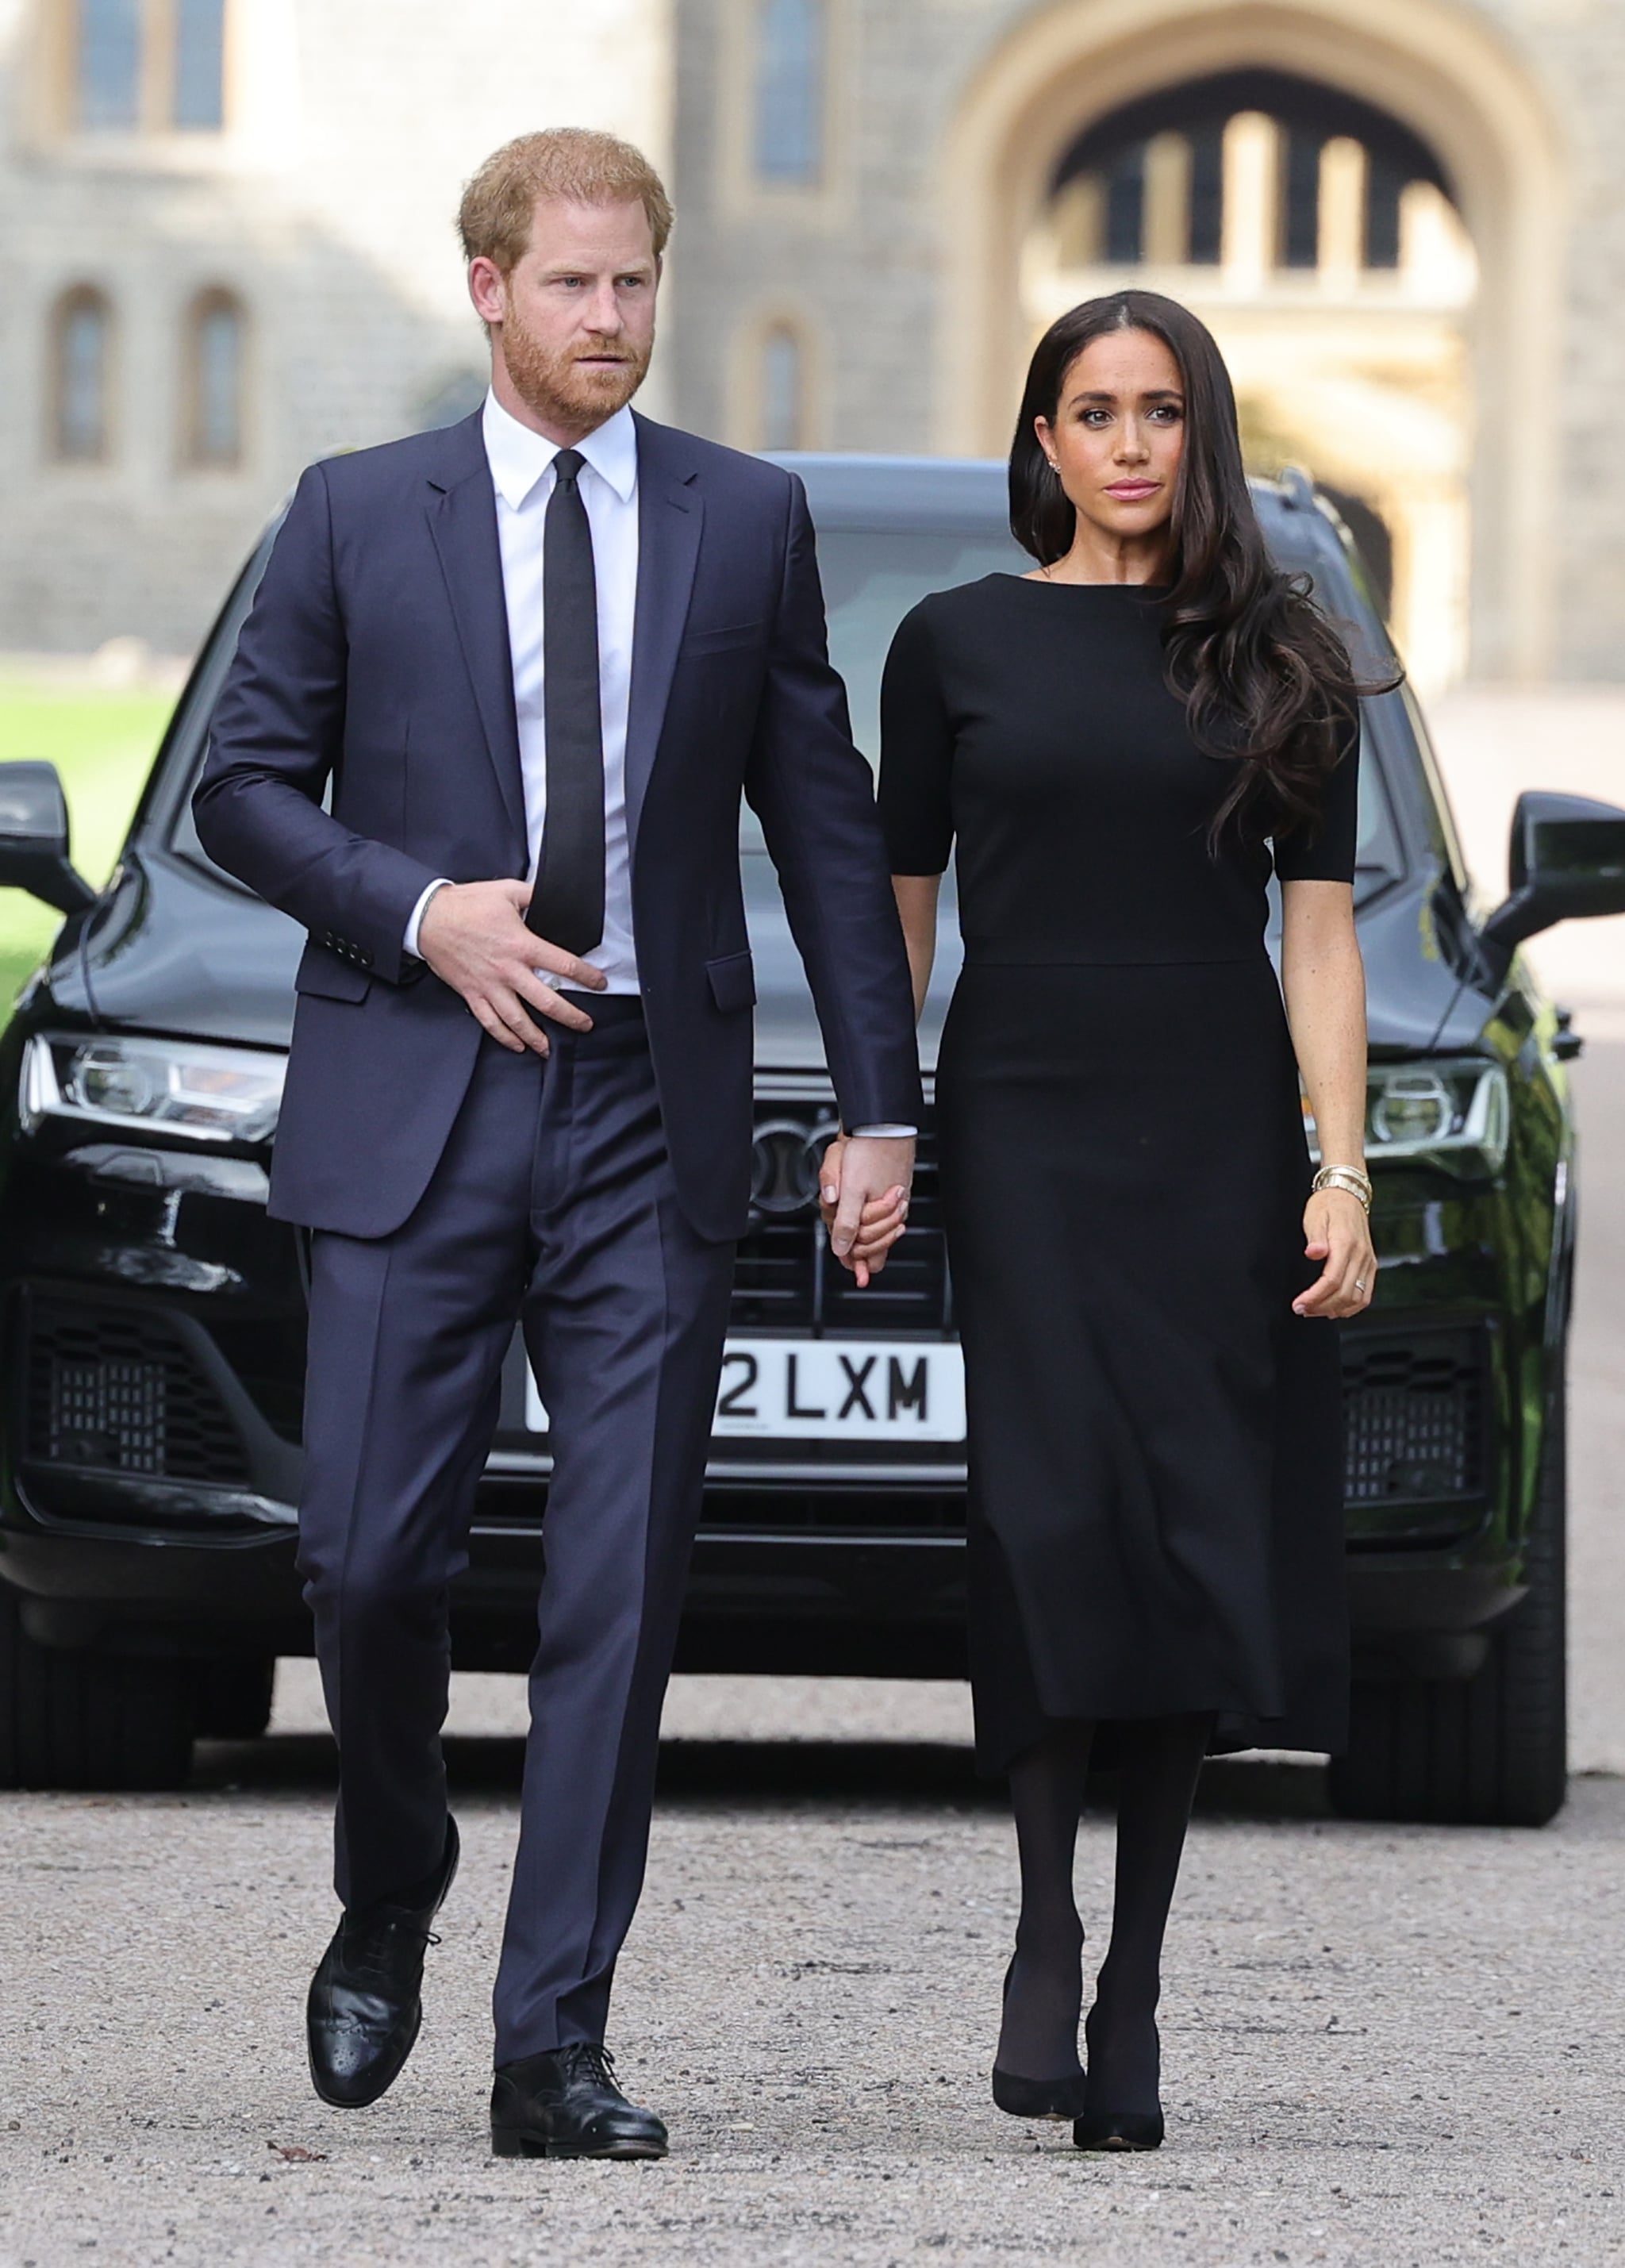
{"x":173,"y":948}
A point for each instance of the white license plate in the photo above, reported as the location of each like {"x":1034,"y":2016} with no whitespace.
{"x":830,"y":1390}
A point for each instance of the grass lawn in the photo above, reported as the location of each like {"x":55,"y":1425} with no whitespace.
{"x":103,"y":745}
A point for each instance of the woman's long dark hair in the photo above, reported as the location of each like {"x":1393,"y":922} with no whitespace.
{"x":1265,"y":680}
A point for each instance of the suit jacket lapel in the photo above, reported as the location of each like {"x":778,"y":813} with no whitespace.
{"x":671,"y":516}
{"x":462,"y":519}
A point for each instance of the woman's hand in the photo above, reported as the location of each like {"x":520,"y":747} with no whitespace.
{"x":1336,"y":1230}
{"x":875,"y":1228}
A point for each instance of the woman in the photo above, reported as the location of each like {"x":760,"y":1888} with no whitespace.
{"x":1142,"y":1269}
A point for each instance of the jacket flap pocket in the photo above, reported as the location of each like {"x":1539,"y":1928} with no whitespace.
{"x":727,"y":637}
{"x":323,"y":973}
{"x":734,"y":982}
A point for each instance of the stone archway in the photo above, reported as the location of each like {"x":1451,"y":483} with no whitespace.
{"x":1453,"y":80}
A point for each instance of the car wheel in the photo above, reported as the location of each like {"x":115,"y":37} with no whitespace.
{"x":1490,"y":1750}
{"x":233,"y":1698}
{"x":88,"y":1721}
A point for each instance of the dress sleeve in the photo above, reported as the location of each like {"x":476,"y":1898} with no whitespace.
{"x":917,"y":752}
{"x":1322,"y":850}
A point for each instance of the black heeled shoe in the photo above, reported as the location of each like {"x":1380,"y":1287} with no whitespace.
{"x":1118,"y":2129}
{"x":1037,"y":2098}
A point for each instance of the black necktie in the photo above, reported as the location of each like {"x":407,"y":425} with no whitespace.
{"x":567,"y":904}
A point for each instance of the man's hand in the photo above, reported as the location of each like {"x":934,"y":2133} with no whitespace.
{"x":863,"y":1197}
{"x":473,"y":936}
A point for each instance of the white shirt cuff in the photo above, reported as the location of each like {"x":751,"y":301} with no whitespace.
{"x":886,"y":1133}
{"x":415,"y":924}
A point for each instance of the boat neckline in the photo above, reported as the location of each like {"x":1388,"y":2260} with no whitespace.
{"x":1147,"y":590}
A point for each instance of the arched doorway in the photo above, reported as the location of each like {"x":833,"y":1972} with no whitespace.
{"x":1318,"y":238}
{"x":1443,"y":164}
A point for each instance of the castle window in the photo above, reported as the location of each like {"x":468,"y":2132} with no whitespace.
{"x":212,"y":435}
{"x":790,"y":91}
{"x":144,"y":66}
{"x":108,"y":65}
{"x":200,"y":65}
{"x":784,"y":390}
{"x":81,"y":377}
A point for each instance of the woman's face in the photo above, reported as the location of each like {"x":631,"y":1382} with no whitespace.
{"x":1118,"y":433}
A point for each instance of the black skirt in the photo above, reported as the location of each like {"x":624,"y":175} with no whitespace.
{"x":1155,"y":1439}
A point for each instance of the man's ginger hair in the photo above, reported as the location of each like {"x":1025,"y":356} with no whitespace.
{"x":572,"y":163}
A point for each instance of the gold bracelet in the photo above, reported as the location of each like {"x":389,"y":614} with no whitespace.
{"x":1350,"y":1179}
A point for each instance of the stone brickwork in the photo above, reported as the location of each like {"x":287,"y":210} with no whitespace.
{"x":866,"y":263}
{"x":327,"y":206}
{"x":327,"y":209}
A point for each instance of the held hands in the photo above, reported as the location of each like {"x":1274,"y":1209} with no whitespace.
{"x":473,"y":936}
{"x":864,"y":1198}
{"x":1336,"y":1230}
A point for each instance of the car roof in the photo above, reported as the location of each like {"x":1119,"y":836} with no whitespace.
{"x":965,"y":494}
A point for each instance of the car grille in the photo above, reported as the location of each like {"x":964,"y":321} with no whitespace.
{"x":113,"y":1389}
{"x":786,"y":1278}
{"x":1417,"y":1413}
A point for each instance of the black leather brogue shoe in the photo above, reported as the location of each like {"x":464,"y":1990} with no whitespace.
{"x":366,"y":2001}
{"x":564,"y":2104}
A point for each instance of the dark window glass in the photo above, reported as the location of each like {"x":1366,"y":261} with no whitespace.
{"x":200,"y":63}
{"x":215,"y":385}
{"x":82,"y":347}
{"x":108,"y":65}
{"x":790,"y":90}
{"x":1206,"y":195}
{"x":1384,"y":182}
{"x":1125,"y":207}
{"x":1300,"y":215}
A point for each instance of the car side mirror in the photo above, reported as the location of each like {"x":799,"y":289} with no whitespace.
{"x":1566,"y":861}
{"x":33,"y":838}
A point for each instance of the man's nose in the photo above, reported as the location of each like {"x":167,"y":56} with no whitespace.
{"x":603,"y":312}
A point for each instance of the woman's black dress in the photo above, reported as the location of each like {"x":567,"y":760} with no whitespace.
{"x":1155,"y":1440}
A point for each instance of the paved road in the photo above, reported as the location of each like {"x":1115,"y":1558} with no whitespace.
{"x":1385,"y":2046}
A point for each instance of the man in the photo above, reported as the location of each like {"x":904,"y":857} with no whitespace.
{"x":534,"y":659}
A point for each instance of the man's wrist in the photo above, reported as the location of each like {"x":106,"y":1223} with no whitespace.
{"x":884,"y":1133}
{"x":441,"y":882}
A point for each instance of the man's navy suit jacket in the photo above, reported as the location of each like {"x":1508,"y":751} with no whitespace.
{"x":375,"y":661}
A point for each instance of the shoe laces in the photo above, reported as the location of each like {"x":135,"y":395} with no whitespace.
{"x":589,"y":2059}
{"x":369,"y":1943}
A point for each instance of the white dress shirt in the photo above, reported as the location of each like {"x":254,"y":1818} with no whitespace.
{"x":521,"y":463}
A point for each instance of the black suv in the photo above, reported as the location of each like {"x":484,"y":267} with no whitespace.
{"x":151,"y":1318}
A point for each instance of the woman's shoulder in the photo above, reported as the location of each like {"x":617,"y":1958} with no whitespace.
{"x":954,"y":614}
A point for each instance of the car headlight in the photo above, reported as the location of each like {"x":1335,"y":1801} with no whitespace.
{"x":181,"y":1087}
{"x":1455,"y":1115}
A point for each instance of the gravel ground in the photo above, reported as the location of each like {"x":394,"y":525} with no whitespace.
{"x":1383,"y":2045}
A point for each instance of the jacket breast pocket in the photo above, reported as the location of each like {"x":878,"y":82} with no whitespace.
{"x":733,"y":983}
{"x":324,"y":973}
{"x":727,"y":637}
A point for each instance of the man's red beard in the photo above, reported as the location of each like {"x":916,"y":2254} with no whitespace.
{"x":562,"y":389}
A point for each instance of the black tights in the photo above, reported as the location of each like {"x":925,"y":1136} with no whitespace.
{"x":1161,"y":1758}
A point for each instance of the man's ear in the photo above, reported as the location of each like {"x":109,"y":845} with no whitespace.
{"x":487,"y":289}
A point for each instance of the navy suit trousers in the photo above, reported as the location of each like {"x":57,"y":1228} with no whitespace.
{"x":554,"y":1204}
